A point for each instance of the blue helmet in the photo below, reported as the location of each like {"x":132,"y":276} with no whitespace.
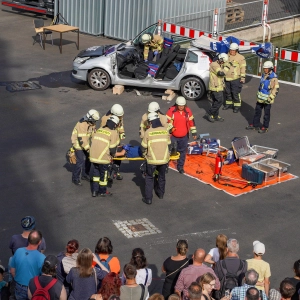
{"x":28,"y":223}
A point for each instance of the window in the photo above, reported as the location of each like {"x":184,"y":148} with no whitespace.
{"x":192,"y":57}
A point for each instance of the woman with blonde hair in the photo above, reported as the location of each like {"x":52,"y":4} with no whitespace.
{"x":83,"y":278}
{"x":218,"y":253}
{"x":173,"y":265}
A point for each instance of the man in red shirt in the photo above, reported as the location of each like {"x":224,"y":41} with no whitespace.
{"x":182,"y":119}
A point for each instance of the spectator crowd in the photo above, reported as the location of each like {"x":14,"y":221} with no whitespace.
{"x":82,"y":274}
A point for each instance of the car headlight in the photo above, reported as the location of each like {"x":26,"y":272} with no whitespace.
{"x":81,"y":60}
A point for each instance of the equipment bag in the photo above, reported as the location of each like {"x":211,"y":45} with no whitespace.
{"x":42,"y":293}
{"x":105,"y":262}
{"x":229,"y":280}
{"x":71,"y":156}
{"x":252,"y":174}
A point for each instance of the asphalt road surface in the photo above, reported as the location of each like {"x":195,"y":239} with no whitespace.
{"x":36,"y":126}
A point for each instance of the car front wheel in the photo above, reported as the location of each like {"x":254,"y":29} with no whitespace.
{"x":98,"y":79}
{"x":192,"y":88}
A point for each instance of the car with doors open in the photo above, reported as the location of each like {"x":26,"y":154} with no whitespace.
{"x":180,"y":67}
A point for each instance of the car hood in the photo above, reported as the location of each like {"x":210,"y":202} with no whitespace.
{"x":95,"y":51}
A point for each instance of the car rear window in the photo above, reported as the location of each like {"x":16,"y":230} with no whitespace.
{"x":192,"y":57}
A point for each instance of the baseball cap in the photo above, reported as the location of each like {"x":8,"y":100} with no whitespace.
{"x":28,"y":223}
{"x":51,"y":261}
{"x":259,"y":248}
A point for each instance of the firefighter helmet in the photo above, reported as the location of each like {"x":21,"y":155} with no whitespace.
{"x":117,"y":110}
{"x":180,"y":101}
{"x":146,"y":38}
{"x":223,"y":57}
{"x":93,"y":115}
{"x":234,"y":46}
{"x":153,"y":107}
{"x":152,"y":116}
{"x":268,"y":65}
{"x":115,"y":119}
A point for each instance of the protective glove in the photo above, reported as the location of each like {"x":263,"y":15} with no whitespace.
{"x":126,"y":147}
{"x":155,"y":52}
{"x":146,"y":60}
{"x":122,"y":136}
{"x":268,"y":101}
{"x":242,"y":80}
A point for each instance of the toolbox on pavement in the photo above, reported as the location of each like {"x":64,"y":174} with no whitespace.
{"x":252,"y":174}
{"x":281,"y":167}
{"x":270,"y":173}
{"x":269,"y":152}
{"x":244,"y":153}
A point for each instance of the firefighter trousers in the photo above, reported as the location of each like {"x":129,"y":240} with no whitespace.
{"x":83,"y":165}
{"x":257,"y":115}
{"x":218,"y":99}
{"x":156,"y":182}
{"x":233,"y":90}
{"x":100,"y":178}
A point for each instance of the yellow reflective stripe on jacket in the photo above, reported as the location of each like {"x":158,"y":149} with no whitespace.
{"x":96,"y":179}
{"x":83,"y":134}
{"x":104,"y":150}
{"x":103,"y":131}
{"x":152,"y":153}
{"x":114,"y":145}
{"x":155,"y":133}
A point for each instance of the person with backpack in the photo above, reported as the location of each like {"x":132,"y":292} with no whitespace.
{"x":46,"y":286}
{"x":103,"y":251}
{"x":230,"y":270}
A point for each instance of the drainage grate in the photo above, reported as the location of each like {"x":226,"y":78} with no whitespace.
{"x":19,"y":86}
{"x":136,"y":228}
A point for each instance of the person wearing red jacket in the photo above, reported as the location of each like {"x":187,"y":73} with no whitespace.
{"x":182,"y":119}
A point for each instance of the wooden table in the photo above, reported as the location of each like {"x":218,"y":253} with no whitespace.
{"x":61,"y":28}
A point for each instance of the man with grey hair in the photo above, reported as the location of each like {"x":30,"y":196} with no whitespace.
{"x":232,"y":269}
{"x":239,"y":293}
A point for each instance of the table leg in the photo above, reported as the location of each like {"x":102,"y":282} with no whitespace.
{"x":78,"y":39}
{"x":44,"y":38}
{"x":60,"y":43}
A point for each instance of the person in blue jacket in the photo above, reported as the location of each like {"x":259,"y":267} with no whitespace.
{"x":267,"y":92}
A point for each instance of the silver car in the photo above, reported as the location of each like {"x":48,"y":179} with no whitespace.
{"x":184,"y":69}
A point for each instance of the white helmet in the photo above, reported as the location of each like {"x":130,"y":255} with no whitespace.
{"x":93,"y":115}
{"x":268,"y":65}
{"x":117,"y":110}
{"x":180,"y":101}
{"x":153,"y":107}
{"x":234,"y":46}
{"x":115,"y":119}
{"x":152,"y":116}
{"x":223,"y":57}
{"x":146,"y":38}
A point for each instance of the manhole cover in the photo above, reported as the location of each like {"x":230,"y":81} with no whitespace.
{"x":19,"y":86}
{"x":136,"y":228}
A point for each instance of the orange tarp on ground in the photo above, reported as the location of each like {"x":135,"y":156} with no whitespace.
{"x":201,"y":167}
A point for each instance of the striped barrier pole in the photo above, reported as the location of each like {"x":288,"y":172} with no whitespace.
{"x":215,"y":29}
{"x":276,"y":59}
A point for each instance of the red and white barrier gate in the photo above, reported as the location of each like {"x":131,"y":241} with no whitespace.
{"x":290,"y":55}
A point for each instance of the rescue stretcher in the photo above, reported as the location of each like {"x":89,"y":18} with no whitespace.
{"x":172,"y":157}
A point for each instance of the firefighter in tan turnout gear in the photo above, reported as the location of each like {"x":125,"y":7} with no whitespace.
{"x":155,"y":146}
{"x":80,"y":138}
{"x":153,"y":46}
{"x":116,"y":110}
{"x":103,"y":148}
{"x":217,"y":71}
{"x":234,"y":79}
{"x":145,"y":124}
